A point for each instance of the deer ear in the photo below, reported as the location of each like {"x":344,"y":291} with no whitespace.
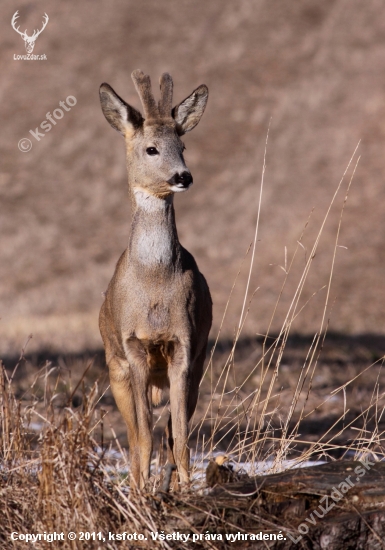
{"x":119,"y":114}
{"x":188,"y":113}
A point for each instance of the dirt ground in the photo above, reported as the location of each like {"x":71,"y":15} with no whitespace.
{"x":312,"y":71}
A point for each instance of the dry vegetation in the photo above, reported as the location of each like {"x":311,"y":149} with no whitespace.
{"x":63,"y":467}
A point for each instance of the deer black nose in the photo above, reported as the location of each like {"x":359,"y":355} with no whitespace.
{"x":185,"y":178}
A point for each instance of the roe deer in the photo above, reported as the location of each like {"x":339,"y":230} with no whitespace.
{"x":157,"y":312}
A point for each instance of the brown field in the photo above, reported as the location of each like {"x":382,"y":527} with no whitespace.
{"x":315,"y":71}
{"x":304,"y":380}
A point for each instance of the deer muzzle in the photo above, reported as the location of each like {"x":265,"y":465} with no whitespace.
{"x":181,"y":180}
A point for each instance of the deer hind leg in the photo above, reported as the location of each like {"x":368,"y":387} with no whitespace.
{"x":174,"y":484}
{"x":196,"y":377}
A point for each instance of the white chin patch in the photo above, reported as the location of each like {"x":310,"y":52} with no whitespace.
{"x":178,"y":188}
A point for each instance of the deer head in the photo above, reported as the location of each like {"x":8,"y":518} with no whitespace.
{"x":29,"y":40}
{"x":154,"y":149}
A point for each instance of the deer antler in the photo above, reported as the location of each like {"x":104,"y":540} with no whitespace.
{"x":13,"y":23}
{"x":143,"y":87}
{"x":45,"y":21}
{"x":35,"y":32}
{"x":165,"y":103}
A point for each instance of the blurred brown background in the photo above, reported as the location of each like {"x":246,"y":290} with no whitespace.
{"x":315,"y":69}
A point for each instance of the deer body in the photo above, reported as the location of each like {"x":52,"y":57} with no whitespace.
{"x":157,"y":312}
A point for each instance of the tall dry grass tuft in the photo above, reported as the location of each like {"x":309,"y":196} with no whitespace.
{"x":255,"y":417}
{"x":61,"y":480}
{"x":58,"y":478}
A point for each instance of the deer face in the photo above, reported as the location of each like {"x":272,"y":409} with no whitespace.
{"x":154,"y":149}
{"x":155,"y":160}
{"x":29,"y":43}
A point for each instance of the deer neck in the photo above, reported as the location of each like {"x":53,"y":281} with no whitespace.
{"x":154,"y":240}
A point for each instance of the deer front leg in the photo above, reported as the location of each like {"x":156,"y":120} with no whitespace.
{"x":139,"y":379}
{"x":179,"y":387}
{"x":124,"y":396}
{"x":129,"y":390}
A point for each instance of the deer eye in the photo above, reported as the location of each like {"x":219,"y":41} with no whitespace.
{"x":152,"y":151}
